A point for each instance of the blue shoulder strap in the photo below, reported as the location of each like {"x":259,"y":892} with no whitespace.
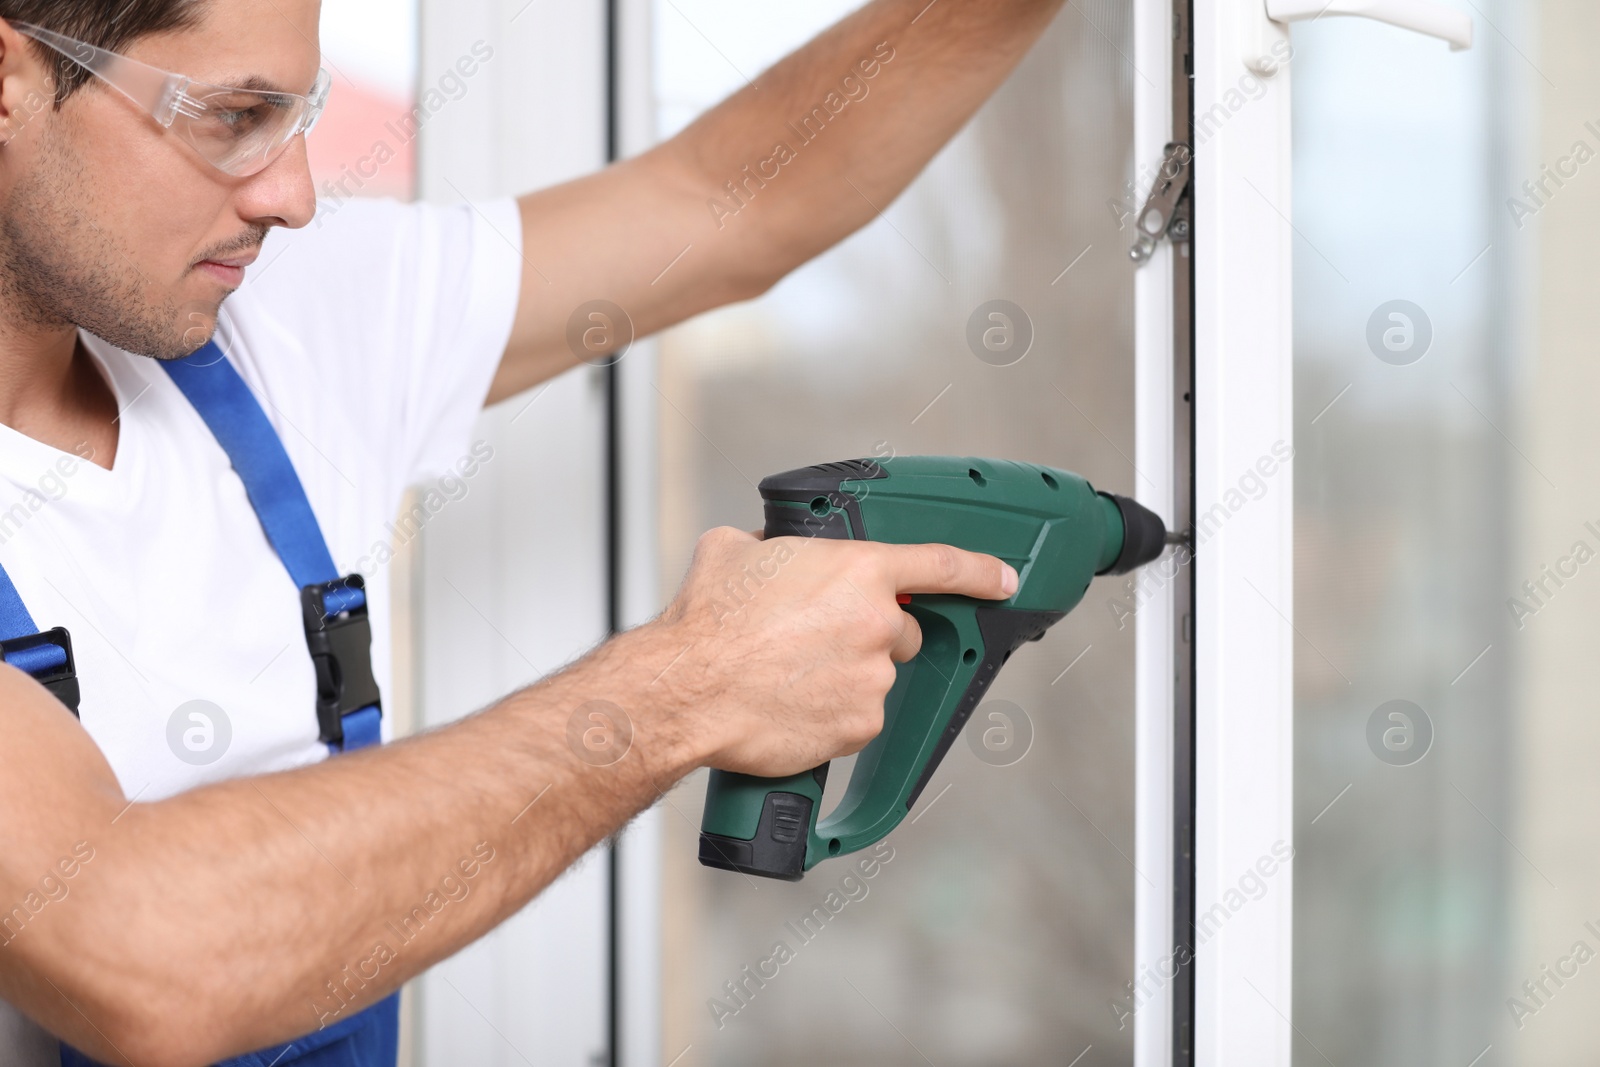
{"x":338,"y":633}
{"x":235,"y":418}
{"x":335,"y":608}
{"x":15,"y":622}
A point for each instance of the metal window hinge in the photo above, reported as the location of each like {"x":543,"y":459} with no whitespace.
{"x":1162,"y":214}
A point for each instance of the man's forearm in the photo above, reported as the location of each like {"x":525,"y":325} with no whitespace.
{"x":247,"y":913}
{"x":829,"y":136}
{"x":409,"y":852}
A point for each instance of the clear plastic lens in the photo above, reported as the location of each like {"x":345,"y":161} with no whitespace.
{"x":242,"y":131}
{"x":233,"y":128}
{"x":239,"y":131}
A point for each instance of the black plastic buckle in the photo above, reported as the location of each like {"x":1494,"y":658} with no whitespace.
{"x":61,"y":681}
{"x":341,"y":652}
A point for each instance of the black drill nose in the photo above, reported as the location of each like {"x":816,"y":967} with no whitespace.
{"x":1144,"y":535}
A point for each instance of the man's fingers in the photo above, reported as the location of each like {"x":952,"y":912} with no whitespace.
{"x":909,"y":641}
{"x":944,"y":569}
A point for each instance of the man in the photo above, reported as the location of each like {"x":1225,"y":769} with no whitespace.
{"x":158,"y":909}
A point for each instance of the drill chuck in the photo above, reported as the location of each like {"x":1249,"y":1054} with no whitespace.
{"x":1144,"y":535}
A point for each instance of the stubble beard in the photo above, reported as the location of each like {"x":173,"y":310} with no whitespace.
{"x":58,"y":267}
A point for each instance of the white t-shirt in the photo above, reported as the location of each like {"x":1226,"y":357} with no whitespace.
{"x":370,"y":337}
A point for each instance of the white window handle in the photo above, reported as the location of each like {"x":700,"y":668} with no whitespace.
{"x":1421,"y":16}
{"x":1265,"y":31}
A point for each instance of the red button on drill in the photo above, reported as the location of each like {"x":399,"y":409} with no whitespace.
{"x":902,"y":598}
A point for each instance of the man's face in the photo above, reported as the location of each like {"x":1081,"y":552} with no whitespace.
{"x":112,"y":223}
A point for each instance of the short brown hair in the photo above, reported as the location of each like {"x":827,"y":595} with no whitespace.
{"x":109,"y":24}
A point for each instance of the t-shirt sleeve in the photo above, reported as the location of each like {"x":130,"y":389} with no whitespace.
{"x":404,"y":311}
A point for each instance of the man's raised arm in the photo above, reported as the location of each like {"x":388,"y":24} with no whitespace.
{"x":788,"y":166}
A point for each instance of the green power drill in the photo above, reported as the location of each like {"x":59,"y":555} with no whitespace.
{"x":1051,"y":525}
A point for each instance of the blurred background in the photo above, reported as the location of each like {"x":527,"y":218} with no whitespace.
{"x":370,"y":47}
{"x":1443,"y":458}
{"x":1432,"y":482}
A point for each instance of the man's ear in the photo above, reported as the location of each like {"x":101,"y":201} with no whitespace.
{"x":25,"y":86}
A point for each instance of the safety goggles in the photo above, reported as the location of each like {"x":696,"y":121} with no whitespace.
{"x":238,"y":131}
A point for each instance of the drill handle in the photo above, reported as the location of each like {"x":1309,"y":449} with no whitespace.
{"x":775,"y":826}
{"x":761,"y":825}
{"x":771,"y":826}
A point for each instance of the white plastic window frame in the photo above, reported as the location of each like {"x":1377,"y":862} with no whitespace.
{"x":1244,"y":585}
{"x":490,"y":144}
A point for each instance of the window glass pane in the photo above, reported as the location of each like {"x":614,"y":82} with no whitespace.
{"x":1445,"y":487}
{"x":364,"y":144}
{"x":1001,"y":931}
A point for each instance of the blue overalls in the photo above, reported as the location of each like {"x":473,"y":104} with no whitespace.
{"x":338,"y":636}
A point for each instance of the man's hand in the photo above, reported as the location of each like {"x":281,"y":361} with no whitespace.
{"x":792,"y":642}
{"x":784,"y":169}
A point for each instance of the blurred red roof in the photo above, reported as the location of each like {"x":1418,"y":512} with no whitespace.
{"x":359,"y":146}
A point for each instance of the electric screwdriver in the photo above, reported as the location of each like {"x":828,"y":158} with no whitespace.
{"x":1051,"y":525}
